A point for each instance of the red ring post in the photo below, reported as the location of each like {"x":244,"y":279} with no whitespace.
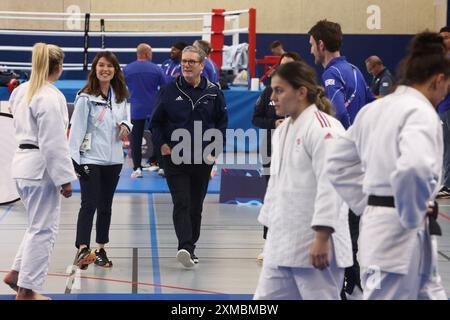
{"x":217,"y":37}
{"x":252,"y":42}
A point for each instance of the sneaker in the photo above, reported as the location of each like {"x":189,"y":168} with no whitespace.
{"x":260,"y":256}
{"x":136,"y":173}
{"x":194,"y":258}
{"x":161,"y":172}
{"x":84,"y":258}
{"x":444,"y":193}
{"x":184,"y":257}
{"x":102,"y":259}
{"x":151,"y":168}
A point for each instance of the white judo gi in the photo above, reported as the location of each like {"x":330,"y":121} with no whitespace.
{"x":298,"y":198}
{"x":394,"y":149}
{"x":39,"y":174}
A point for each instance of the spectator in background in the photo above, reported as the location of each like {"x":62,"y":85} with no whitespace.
{"x":210,"y":72}
{"x":444,"y":113}
{"x":171,"y":67}
{"x":383,"y":81}
{"x":346,"y":88}
{"x":265,"y":117}
{"x":143,"y":79}
{"x":276,"y":48}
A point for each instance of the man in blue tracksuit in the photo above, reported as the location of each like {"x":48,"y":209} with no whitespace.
{"x":187,"y":103}
{"x":171,"y":67}
{"x":344,"y":83}
{"x":211,"y":71}
{"x":348,"y":91}
{"x":143,"y":79}
{"x":444,"y":113}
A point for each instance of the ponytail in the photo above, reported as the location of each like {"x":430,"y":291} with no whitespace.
{"x":45,"y":58}
{"x":323,"y":103}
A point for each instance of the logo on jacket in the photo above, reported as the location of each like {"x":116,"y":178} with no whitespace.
{"x":330,"y":82}
{"x":298,"y":141}
{"x":328,"y":136}
{"x":179,"y":99}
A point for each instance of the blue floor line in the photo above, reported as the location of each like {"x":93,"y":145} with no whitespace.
{"x":154,"y":246}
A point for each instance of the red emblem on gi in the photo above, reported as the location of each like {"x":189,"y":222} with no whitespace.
{"x":328,"y":136}
{"x":298,"y":141}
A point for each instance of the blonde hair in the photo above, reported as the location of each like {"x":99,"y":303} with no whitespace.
{"x":44,"y":61}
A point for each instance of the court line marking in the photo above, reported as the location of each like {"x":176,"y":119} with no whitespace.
{"x":154,"y":245}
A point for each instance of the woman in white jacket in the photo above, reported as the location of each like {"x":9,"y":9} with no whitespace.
{"x":99,"y":124}
{"x":387,"y":167}
{"x":41,"y":167}
{"x":308,"y":244}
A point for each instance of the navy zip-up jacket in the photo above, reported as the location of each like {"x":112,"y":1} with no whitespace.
{"x":179,"y":105}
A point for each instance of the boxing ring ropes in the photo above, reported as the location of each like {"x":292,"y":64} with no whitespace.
{"x":213,"y":30}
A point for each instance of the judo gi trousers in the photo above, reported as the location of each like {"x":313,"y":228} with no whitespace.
{"x":286,"y":283}
{"x":381,"y":285}
{"x":42,"y":202}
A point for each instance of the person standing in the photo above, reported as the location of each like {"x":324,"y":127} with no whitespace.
{"x":41,"y":167}
{"x":387,"y":167}
{"x":187,"y":103}
{"x":444,"y":113}
{"x":383,"y":81}
{"x":171,"y":67}
{"x":308,"y":243}
{"x":143,"y":79}
{"x":265,"y":117}
{"x":98,"y":125}
{"x":211,"y":71}
{"x":346,"y":88}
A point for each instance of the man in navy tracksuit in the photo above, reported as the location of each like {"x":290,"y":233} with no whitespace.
{"x":143,"y":79}
{"x":191,"y":100}
{"x":348,"y":91}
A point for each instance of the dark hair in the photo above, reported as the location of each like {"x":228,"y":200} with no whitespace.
{"x":426,"y":58}
{"x":275,"y":44}
{"x":329,"y":32}
{"x":445,"y":29}
{"x":291,"y":54}
{"x":300,"y":74}
{"x":117,"y":83}
{"x":180,"y":45}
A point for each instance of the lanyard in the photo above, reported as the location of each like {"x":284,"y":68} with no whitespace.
{"x":108,"y":106}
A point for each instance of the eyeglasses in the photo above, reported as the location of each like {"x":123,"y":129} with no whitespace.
{"x":189,"y":62}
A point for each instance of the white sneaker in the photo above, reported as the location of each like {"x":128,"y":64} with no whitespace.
{"x":184,"y":257}
{"x":161,"y":172}
{"x":260,"y":256}
{"x":153,"y":168}
{"x":136,"y":174}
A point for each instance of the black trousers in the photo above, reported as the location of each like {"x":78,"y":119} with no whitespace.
{"x":267,"y":176}
{"x":188,"y":185}
{"x":136,"y":142}
{"x":352,"y":274}
{"x":97,"y":194}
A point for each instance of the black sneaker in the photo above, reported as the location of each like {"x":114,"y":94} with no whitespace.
{"x":84,"y":258}
{"x":102,"y":259}
{"x":194,"y":258}
{"x":444,"y":193}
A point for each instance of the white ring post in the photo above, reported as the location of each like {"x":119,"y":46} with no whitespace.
{"x":207,"y":27}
